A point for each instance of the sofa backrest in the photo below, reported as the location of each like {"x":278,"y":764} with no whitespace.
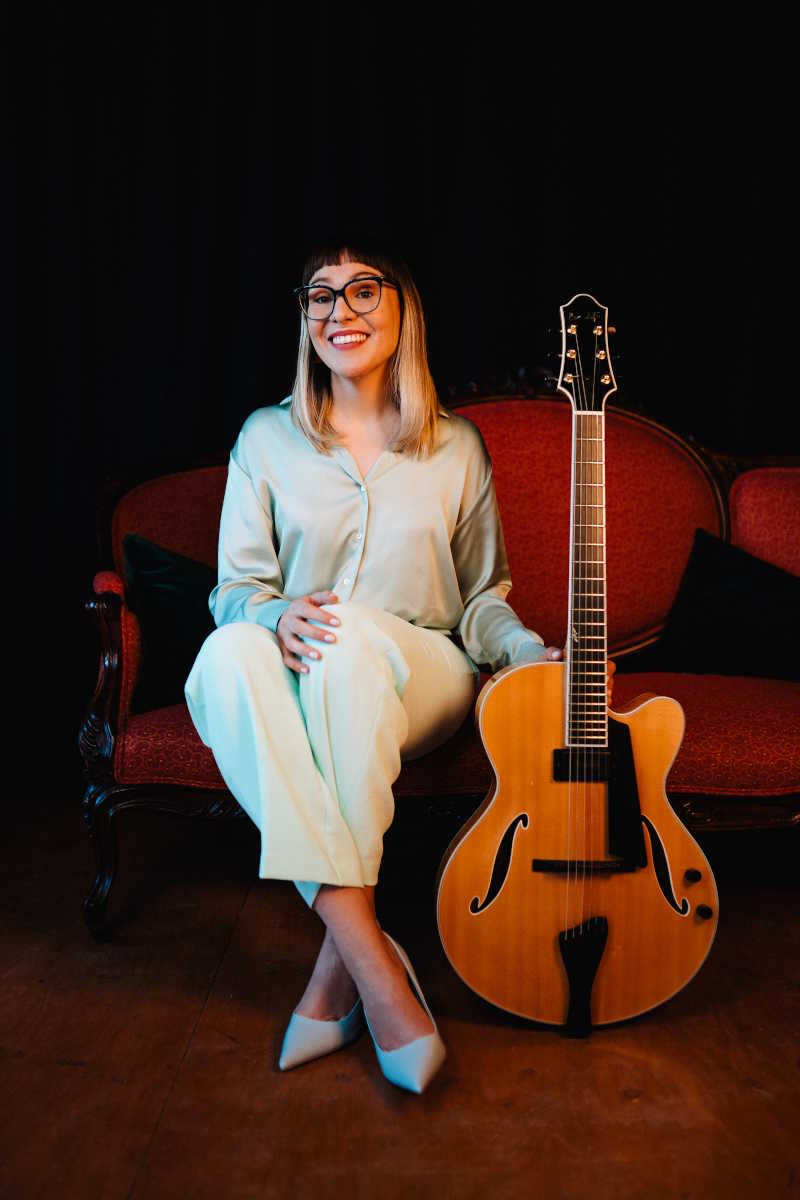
{"x":179,"y":511}
{"x":765,"y":515}
{"x":658,"y":492}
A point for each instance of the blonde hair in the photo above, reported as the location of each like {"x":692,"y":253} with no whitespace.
{"x":411,"y":386}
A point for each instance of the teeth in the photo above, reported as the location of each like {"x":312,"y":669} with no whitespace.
{"x":341,"y":339}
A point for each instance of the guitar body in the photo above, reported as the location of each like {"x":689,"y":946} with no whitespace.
{"x":507,"y":927}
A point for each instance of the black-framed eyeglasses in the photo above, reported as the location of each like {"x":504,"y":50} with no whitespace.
{"x":361,"y":295}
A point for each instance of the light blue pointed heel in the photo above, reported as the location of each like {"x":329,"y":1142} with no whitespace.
{"x":307,"y":1038}
{"x":411,"y":1066}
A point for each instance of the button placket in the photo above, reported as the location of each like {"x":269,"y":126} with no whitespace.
{"x":348,"y":580}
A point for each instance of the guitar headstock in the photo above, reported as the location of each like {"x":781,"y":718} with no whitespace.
{"x":586,"y":375}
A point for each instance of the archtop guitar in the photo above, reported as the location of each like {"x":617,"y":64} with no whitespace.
{"x":574,"y":895}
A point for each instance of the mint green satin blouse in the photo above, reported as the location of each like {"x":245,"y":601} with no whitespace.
{"x":419,"y":538}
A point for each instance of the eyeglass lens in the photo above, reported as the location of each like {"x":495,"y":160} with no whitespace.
{"x":362,"y":295}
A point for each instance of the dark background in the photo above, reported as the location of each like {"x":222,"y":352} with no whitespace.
{"x":181,"y":159}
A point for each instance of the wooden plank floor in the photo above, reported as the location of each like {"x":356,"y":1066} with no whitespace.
{"x":146,"y":1066}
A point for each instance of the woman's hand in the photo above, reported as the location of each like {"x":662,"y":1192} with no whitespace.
{"x":294,"y":625}
{"x":555,"y":655}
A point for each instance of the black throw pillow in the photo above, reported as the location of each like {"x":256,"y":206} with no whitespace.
{"x":734,"y":614}
{"x":169,"y":594}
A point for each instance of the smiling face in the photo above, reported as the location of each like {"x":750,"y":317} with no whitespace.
{"x":355,"y":345}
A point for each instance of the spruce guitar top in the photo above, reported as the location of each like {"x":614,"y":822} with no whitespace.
{"x":574,"y":895}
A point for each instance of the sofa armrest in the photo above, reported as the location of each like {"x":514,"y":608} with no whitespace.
{"x":108,"y":581}
{"x":120,"y":655}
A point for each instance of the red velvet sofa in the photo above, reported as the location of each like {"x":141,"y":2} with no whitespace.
{"x":739,"y":764}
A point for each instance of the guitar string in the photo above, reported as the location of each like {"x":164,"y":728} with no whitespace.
{"x":580,"y":799}
{"x":578,"y":682}
{"x":598,"y":570}
{"x":580,"y":826}
{"x":568,"y":663}
{"x":586,"y":493}
{"x":588,"y":501}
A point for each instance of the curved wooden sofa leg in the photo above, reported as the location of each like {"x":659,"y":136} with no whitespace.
{"x":98,"y":813}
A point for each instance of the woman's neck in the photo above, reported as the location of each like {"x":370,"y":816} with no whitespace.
{"x":360,"y":402}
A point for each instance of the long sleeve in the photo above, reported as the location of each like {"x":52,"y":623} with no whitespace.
{"x":250,"y":581}
{"x":490,"y":630}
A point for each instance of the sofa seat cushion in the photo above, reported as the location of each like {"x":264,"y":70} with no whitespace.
{"x":740,"y":740}
{"x":741,"y":735}
{"x":162,"y":746}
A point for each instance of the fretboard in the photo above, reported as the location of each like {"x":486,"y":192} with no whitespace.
{"x":586,"y":709}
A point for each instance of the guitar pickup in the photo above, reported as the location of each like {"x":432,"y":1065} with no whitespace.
{"x":581,"y":765}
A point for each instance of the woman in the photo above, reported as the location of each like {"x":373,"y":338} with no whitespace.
{"x":359,"y":528}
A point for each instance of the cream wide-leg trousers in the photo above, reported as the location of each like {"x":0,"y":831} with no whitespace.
{"x":311,"y":758}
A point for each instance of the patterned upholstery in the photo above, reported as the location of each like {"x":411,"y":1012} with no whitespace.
{"x":658,"y":493}
{"x":735,"y":743}
{"x":742,"y":735}
{"x":765,"y":515}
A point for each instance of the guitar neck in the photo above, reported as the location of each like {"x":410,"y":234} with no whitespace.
{"x":586,"y":707}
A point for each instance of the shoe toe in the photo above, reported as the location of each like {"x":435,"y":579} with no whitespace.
{"x":413,"y":1066}
{"x":306,"y":1038}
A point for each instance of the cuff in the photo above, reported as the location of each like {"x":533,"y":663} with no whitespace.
{"x":529,"y":653}
{"x":269,"y":613}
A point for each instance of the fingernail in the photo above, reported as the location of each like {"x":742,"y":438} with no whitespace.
{"x":329,"y":637}
{"x":334,"y":621}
